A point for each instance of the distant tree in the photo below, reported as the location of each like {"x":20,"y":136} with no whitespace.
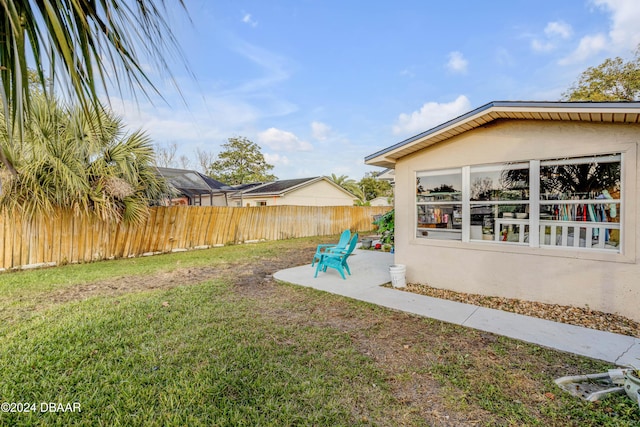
{"x":481,"y":188}
{"x":184,"y":162}
{"x":166,"y":155}
{"x":580,"y":178}
{"x":240,"y":162}
{"x":444,"y":188}
{"x":348,"y":184}
{"x":36,"y":85}
{"x":613,"y":80}
{"x":204,"y":159}
{"x":373,"y":187}
{"x":342,"y":180}
{"x":568,"y":178}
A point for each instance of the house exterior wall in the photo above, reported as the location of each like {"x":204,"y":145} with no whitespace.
{"x":205,"y":200}
{"x":608,"y":282}
{"x":320,"y":193}
{"x":213,"y":200}
{"x":381,"y":201}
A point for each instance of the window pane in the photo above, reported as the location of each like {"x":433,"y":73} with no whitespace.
{"x":596,"y":224}
{"x":499,"y":183}
{"x":498,"y":222}
{"x":588,"y":235}
{"x":581,"y":178}
{"x":594,"y":212}
{"x":580,"y":202}
{"x":440,"y":221}
{"x":439,"y":186}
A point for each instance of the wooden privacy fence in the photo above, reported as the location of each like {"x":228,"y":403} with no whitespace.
{"x":68,"y":238}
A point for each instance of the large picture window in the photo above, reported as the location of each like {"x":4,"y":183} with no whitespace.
{"x":566,"y":202}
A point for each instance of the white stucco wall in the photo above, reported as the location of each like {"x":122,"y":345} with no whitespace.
{"x":603,"y":281}
{"x":214,"y":200}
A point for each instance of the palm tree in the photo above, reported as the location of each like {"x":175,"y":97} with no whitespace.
{"x":348,"y":184}
{"x":84,"y":162}
{"x":83,"y":46}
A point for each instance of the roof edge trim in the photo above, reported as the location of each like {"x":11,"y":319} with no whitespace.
{"x":508,"y":106}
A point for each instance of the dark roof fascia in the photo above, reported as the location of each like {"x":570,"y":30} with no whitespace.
{"x":505,"y":104}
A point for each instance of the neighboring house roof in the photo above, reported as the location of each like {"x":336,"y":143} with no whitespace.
{"x":387,"y":175}
{"x":190,"y":182}
{"x":244,"y":187}
{"x":605,"y":112}
{"x":282,"y":187}
{"x":216,"y":185}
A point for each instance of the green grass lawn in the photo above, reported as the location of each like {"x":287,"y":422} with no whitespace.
{"x":187,"y":356}
{"x":205,"y":354}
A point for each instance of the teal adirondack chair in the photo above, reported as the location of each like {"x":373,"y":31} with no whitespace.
{"x":340,"y":246}
{"x":338,"y":260}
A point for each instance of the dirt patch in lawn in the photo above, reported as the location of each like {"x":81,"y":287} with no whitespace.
{"x":123,"y":285}
{"x":416,"y":354}
{"x":248,"y":274}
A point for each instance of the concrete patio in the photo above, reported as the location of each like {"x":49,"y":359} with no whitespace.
{"x":370,"y":270}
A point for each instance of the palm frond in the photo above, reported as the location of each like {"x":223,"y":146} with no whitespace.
{"x":85,"y":46}
{"x":85,"y":162}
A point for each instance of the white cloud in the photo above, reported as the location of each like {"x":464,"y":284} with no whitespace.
{"x":625,"y":15}
{"x":275,"y":67}
{"x":589,"y":46}
{"x":320,"y":131}
{"x":196,"y":126}
{"x":540,"y":46}
{"x":281,"y":140}
{"x":276,"y":159}
{"x":558,"y":28}
{"x":431,"y":114}
{"x":554,"y":31}
{"x":407,"y":73}
{"x":457,"y":63}
{"x":503,"y":57}
{"x":623,"y":35}
{"x":247,"y":19}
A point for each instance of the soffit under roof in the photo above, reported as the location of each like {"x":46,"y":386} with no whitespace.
{"x":604,"y":112}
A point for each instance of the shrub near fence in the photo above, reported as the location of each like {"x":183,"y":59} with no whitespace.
{"x":67,"y":238}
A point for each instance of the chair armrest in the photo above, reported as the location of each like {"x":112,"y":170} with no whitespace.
{"x":336,"y":251}
{"x":326,"y":246}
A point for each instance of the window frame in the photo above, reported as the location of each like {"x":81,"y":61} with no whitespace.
{"x":588,"y":225}
{"x":534,"y":203}
{"x":456,"y":234}
{"x":510,"y":223}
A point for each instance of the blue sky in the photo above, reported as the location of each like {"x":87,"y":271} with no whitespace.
{"x":321,"y":84}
